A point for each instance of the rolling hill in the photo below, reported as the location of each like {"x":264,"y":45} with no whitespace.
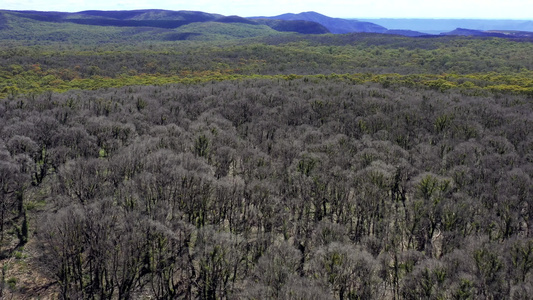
{"x":300,"y":26}
{"x":140,"y":25}
{"x":334,"y":25}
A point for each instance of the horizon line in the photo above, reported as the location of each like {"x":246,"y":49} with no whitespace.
{"x":348,"y":18}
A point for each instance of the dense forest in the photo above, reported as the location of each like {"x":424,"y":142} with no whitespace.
{"x":277,"y":166}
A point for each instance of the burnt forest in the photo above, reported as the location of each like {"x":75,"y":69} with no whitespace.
{"x":185,"y":155}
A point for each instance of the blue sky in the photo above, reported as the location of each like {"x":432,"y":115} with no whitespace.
{"x":476,"y":9}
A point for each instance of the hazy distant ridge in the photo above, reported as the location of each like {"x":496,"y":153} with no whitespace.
{"x":437,"y":26}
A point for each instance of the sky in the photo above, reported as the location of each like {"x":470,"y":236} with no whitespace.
{"x":455,"y":9}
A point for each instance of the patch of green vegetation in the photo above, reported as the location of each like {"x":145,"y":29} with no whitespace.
{"x":520,"y":83}
{"x":35,"y":205}
{"x":12,"y":282}
{"x":18,"y":254}
{"x":223,"y":31}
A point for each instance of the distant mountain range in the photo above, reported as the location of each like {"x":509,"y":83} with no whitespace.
{"x":416,"y":27}
{"x":437,"y":26}
{"x":490,"y":33}
{"x":174,"y":25}
{"x":162,"y":19}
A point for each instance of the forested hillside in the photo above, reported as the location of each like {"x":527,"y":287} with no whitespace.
{"x":277,"y":166}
